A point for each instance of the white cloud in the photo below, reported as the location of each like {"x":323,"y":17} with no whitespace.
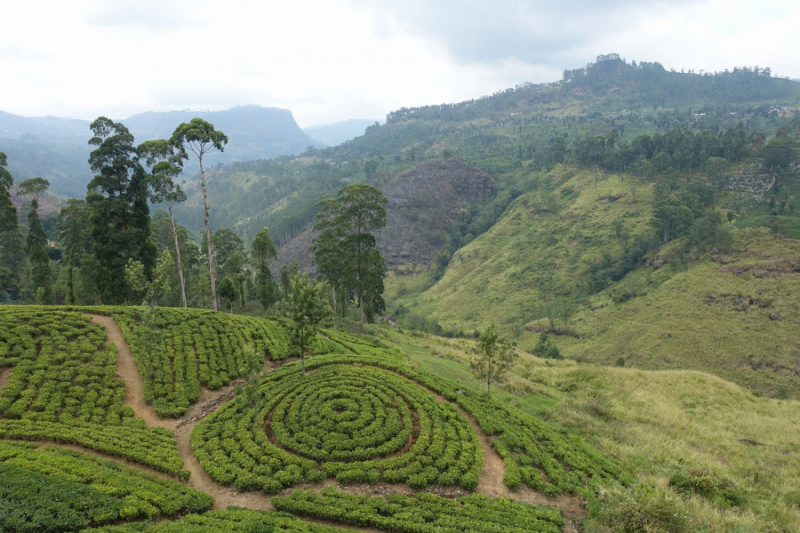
{"x":338,"y":59}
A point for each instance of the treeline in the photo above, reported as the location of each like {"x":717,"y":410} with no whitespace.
{"x":651,"y":83}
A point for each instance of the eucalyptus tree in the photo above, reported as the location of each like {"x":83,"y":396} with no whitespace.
{"x":41,"y":277}
{"x":200,"y":137}
{"x":165,"y":166}
{"x":493,"y":359}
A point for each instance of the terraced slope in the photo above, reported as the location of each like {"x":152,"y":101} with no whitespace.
{"x":361,"y":415}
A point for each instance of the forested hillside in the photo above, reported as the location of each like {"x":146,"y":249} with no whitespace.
{"x":529,"y":124}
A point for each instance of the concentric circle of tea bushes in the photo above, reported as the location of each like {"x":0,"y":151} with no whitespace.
{"x":354,"y":423}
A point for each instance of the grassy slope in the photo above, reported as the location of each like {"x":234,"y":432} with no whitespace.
{"x":536,"y":253}
{"x":689,"y":319}
{"x":658,"y":423}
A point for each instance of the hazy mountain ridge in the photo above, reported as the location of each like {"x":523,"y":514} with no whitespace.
{"x":57,"y":149}
{"x":339,"y":132}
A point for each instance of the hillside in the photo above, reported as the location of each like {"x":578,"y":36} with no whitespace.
{"x":499,"y":134}
{"x":57,"y":148}
{"x":422,"y":202}
{"x":708,"y":455}
{"x":123,"y":432}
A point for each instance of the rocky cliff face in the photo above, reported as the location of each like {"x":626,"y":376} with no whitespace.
{"x":421,"y":203}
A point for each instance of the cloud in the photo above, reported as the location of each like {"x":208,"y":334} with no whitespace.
{"x":534,"y":32}
{"x":155,"y":16}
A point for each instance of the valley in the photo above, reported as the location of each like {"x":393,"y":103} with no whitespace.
{"x":563,"y":307}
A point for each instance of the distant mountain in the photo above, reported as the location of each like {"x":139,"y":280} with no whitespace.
{"x":56,"y":148}
{"x":339,"y":132}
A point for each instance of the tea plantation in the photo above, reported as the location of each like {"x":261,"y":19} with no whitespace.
{"x":361,"y":415}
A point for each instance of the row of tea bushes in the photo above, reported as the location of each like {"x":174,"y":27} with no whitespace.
{"x":228,"y":521}
{"x":153,"y":447}
{"x":423,"y":512}
{"x":536,"y":452}
{"x":54,"y":490}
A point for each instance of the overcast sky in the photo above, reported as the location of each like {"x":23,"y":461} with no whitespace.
{"x":330,"y":60}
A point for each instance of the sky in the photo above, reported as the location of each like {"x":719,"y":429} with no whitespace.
{"x":332,"y":60}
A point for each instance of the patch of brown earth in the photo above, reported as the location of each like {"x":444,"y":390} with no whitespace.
{"x":5,"y":373}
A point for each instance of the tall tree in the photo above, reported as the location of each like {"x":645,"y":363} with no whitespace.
{"x":12,"y":253}
{"x":307,"y":311}
{"x":166,"y":165}
{"x":361,"y":211}
{"x":263,"y":253}
{"x":492,"y":358}
{"x":120,"y":214}
{"x":328,"y":245}
{"x":201,"y":138}
{"x":41,"y":277}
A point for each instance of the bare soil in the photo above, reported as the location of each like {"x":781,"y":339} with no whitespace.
{"x":5,"y":373}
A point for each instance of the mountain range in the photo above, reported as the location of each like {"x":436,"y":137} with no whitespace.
{"x":57,"y":148}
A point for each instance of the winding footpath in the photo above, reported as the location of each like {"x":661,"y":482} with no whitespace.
{"x":490,"y":482}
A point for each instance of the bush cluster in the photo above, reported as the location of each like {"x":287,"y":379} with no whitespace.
{"x":423,"y":512}
{"x":61,"y":490}
{"x":351,"y":440}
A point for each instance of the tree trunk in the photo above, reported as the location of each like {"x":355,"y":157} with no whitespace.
{"x":178,"y":256}
{"x":360,"y":288}
{"x":333,"y":288}
{"x":212,"y":271}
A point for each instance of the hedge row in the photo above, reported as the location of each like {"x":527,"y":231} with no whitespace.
{"x":229,"y":521}
{"x":153,"y":447}
{"x":423,"y":512}
{"x":61,"y":490}
{"x":536,"y":453}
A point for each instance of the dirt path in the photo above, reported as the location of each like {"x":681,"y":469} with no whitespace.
{"x":126,"y":369}
{"x":5,"y":373}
